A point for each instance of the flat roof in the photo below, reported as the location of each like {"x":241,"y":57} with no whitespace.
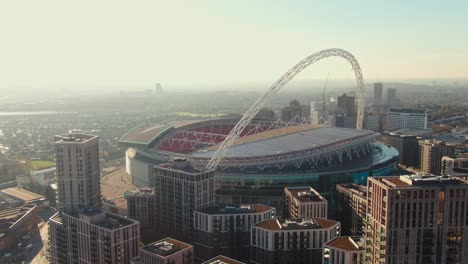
{"x":222,"y":260}
{"x":410,"y":132}
{"x":353,"y":187}
{"x":343,"y":243}
{"x":305,"y":194}
{"x":166,"y":247}
{"x":291,"y":142}
{"x":74,"y":138}
{"x":235,"y":209}
{"x":419,"y":181}
{"x":296,"y":224}
{"x":407,"y":110}
{"x":106,"y":219}
{"x":23,"y":195}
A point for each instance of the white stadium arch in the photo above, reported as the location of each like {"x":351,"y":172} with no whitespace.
{"x":280,"y":83}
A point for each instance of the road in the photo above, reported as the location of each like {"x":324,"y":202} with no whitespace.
{"x":40,"y":245}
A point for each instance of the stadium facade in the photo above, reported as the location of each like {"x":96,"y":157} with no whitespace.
{"x":268,"y":156}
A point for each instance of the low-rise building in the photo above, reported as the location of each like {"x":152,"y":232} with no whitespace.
{"x":292,"y":240}
{"x":15,"y":223}
{"x":305,"y":202}
{"x":165,"y":251}
{"x":24,"y":196}
{"x":225,"y":229}
{"x":342,"y":250}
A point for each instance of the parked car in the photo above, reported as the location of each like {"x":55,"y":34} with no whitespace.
{"x":6,"y":255}
{"x":28,"y":247}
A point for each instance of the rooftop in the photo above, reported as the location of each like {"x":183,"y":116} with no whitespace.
{"x":98,"y":217}
{"x":23,"y":195}
{"x":420,"y":180}
{"x":9,"y":217}
{"x":222,"y":260}
{"x":406,"y":110}
{"x":140,"y":192}
{"x":343,"y":243}
{"x":296,"y":224}
{"x":166,"y":247}
{"x":305,"y":194}
{"x":293,"y":141}
{"x":235,"y":209}
{"x":73,"y":138}
{"x":353,"y":187}
{"x":410,"y":132}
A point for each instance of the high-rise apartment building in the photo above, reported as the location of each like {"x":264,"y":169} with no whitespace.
{"x":305,"y":202}
{"x":165,"y":251}
{"x":342,"y":250}
{"x":81,"y":232}
{"x":78,"y":179}
{"x":181,"y":190}
{"x":450,"y":164}
{"x":378,"y":88}
{"x":416,"y":219}
{"x":405,"y":118}
{"x":292,"y":240}
{"x":142,"y":206}
{"x":352,"y":200}
{"x":431,"y":153}
{"x":225,"y":229}
{"x":406,"y":141}
{"x":346,"y":104}
{"x":93,"y":236}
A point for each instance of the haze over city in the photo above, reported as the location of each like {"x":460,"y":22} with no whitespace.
{"x":233,"y":132}
{"x":113,"y":45}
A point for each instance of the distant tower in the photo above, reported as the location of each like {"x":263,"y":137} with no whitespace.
{"x":316,"y":112}
{"x":391,"y":96}
{"x":378,"y":93}
{"x":78,"y":180}
{"x":346,"y":103}
{"x":158,"y":88}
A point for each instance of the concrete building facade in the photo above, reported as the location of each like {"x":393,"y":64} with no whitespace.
{"x":304,"y":202}
{"x":431,"y":154}
{"x":181,"y":190}
{"x":405,"y":118}
{"x":342,"y":250}
{"x":94,"y":236}
{"x":225,"y":229}
{"x":78,"y":175}
{"x":352,"y":199}
{"x":292,"y":240}
{"x":416,"y":219}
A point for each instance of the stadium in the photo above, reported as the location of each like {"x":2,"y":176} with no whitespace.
{"x":255,"y":159}
{"x":267,"y":156}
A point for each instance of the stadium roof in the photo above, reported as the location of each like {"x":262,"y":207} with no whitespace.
{"x":145,"y":134}
{"x":291,"y":142}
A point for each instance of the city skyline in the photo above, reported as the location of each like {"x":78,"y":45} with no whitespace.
{"x":53,"y":44}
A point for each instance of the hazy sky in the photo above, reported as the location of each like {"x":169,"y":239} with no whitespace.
{"x":105,"y":43}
